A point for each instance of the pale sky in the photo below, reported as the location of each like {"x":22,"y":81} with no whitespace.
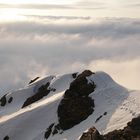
{"x":92,"y":8}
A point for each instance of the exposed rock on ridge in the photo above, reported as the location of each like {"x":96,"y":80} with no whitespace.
{"x":42,"y":91}
{"x":76,"y":106}
{"x":92,"y":134}
{"x":130,"y":132}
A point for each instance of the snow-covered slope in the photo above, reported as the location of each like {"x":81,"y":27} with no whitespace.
{"x":20,"y":96}
{"x":114,"y":106}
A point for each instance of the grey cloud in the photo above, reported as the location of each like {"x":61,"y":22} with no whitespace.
{"x":89,"y":4}
{"x":28,"y":49}
{"x":111,"y":29}
{"x":36,"y":6}
{"x":130,"y":3}
{"x":79,"y":5}
{"x":59,"y":17}
{"x":32,"y":39}
{"x":136,"y":5}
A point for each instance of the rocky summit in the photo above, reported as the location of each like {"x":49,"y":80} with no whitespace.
{"x":77,"y":106}
{"x":130,"y":132}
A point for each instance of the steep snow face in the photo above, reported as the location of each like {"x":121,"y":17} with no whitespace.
{"x":114,"y":107}
{"x":59,"y":83}
{"x":19,"y":96}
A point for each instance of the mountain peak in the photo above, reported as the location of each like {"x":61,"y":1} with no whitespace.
{"x":63,"y":107}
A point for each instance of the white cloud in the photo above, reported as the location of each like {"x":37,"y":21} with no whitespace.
{"x":125,"y":73}
{"x":61,"y":45}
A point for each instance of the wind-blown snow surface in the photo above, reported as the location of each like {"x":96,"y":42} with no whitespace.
{"x":114,"y":107}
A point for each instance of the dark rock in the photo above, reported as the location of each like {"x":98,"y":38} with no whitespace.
{"x":114,"y":135}
{"x":48,"y":132}
{"x":3,"y":100}
{"x":33,"y":80}
{"x":72,"y":112}
{"x":10,"y":100}
{"x":52,"y":89}
{"x":42,"y":91}
{"x":76,"y":106}
{"x":6,"y":138}
{"x":130,"y":132}
{"x":86,"y":73}
{"x":74,"y":75}
{"x":105,"y":113}
{"x":56,"y":129}
{"x":92,"y":134}
{"x":98,"y":118}
{"x":135,"y":124}
{"x":81,"y":86}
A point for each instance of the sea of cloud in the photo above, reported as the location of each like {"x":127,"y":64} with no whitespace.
{"x":44,"y":45}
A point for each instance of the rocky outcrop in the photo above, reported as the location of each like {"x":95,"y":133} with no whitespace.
{"x":76,"y":106}
{"x":81,"y":86}
{"x":3,"y":100}
{"x":32,"y":81}
{"x":10,"y":100}
{"x":6,"y":138}
{"x":130,"y":132}
{"x":42,"y":91}
{"x":105,"y":113}
{"x":73,"y":111}
{"x":48,"y":131}
{"x":74,"y":75}
{"x":91,"y":134}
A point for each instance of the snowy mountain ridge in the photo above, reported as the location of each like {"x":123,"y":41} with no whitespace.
{"x":63,"y":107}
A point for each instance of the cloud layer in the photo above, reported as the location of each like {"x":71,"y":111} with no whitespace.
{"x":55,"y":45}
{"x":93,"y":8}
